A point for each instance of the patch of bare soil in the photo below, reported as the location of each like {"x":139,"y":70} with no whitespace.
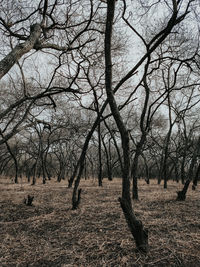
{"x":49,"y":233}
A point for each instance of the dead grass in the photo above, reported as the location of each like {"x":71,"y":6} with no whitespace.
{"x":51,"y":234}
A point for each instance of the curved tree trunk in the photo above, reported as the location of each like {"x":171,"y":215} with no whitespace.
{"x":136,"y":227}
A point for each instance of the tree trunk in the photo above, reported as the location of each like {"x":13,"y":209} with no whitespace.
{"x":108,"y":159}
{"x":99,"y":139}
{"x":139,"y":233}
{"x":76,"y":200}
{"x":78,"y":169}
{"x":115,"y":144}
{"x":134,"y":168}
{"x":136,"y":227}
{"x":76,"y":196}
{"x":147,"y":170}
{"x":99,"y":152}
{"x":135,"y":180}
{"x":34,"y":173}
{"x":43,"y":173}
{"x":196,"y":178}
{"x":168,"y":137}
{"x":71,"y":180}
{"x":166,"y":154}
{"x":183,"y":168}
{"x":59,"y":178}
{"x":182,"y":194}
{"x":13,"y":157}
{"x":45,"y":166}
{"x":176,"y":172}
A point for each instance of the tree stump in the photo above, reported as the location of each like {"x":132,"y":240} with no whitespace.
{"x":29,"y":200}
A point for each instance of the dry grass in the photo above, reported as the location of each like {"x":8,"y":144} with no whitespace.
{"x":51,"y":234}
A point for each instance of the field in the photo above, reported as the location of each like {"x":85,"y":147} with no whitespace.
{"x":50,"y":234}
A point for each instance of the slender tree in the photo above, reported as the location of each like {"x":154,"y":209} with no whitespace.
{"x":140,"y":235}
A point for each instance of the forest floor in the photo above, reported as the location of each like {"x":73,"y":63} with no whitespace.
{"x":49,"y":233}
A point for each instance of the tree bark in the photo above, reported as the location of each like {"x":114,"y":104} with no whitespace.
{"x":19,"y":50}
